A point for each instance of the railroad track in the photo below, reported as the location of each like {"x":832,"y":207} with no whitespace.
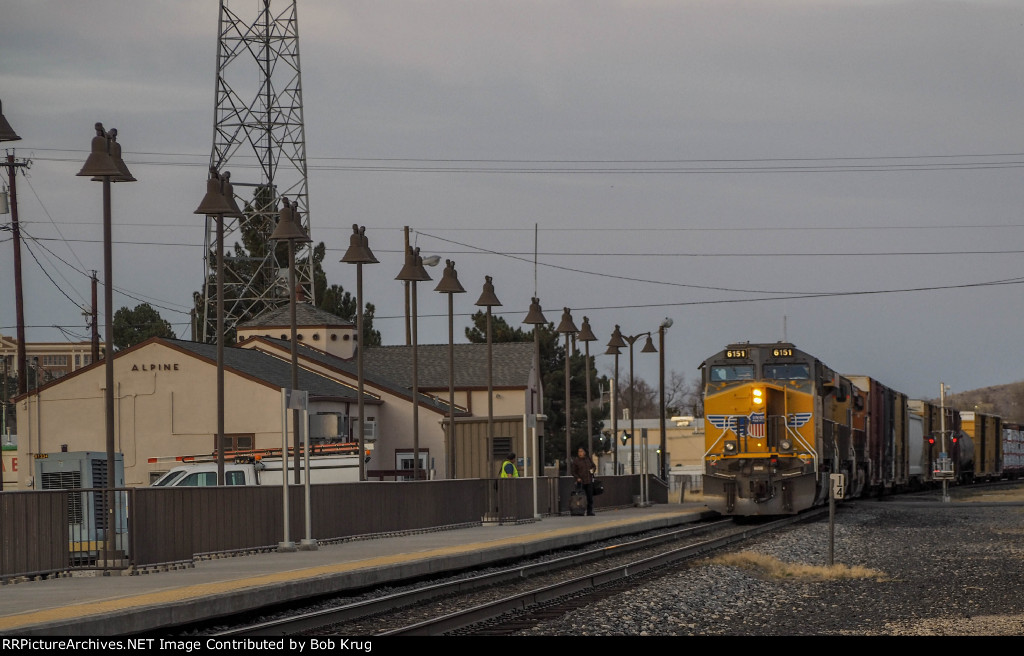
{"x":451,"y":606}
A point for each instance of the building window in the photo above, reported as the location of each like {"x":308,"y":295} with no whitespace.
{"x":238,"y":442}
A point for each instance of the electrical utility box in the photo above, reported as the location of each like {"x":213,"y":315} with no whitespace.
{"x":84,"y":475}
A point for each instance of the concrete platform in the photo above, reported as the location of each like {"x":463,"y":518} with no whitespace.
{"x":159,"y":601}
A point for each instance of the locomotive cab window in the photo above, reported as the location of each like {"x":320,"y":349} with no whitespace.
{"x":787,"y":371}
{"x":732,"y":372}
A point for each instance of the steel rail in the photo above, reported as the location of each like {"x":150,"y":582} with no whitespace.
{"x":534,"y":598}
{"x":316,"y":619}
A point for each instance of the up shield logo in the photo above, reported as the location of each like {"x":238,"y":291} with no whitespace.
{"x":754,"y":423}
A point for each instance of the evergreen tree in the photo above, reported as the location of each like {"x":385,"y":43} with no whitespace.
{"x":131,"y":327}
{"x":552,"y":366}
{"x":250,"y":271}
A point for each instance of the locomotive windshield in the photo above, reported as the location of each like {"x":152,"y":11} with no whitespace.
{"x":732,"y":372}
{"x":787,"y":371}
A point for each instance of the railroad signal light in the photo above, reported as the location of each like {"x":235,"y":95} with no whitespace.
{"x":624,"y":438}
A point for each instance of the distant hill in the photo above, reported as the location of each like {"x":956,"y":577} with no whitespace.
{"x":1007,"y":401}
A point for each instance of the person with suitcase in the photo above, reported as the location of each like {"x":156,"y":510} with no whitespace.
{"x":583,"y":469}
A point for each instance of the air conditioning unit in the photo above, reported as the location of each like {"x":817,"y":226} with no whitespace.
{"x":84,"y":475}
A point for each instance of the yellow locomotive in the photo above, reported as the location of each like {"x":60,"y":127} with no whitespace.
{"x":777,"y":423}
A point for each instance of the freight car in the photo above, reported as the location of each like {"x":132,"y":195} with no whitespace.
{"x":1013,"y":450}
{"x":942,"y":432}
{"x":987,"y":432}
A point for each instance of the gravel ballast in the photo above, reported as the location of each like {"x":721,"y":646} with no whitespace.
{"x":941,"y":569}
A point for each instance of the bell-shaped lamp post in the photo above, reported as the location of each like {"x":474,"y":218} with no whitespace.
{"x":289,"y":228}
{"x":535,"y":318}
{"x":586,"y":335}
{"x":7,"y":133}
{"x":359,"y":253}
{"x":613,"y":349}
{"x":413,"y":271}
{"x":488,"y":299}
{"x":103,"y":166}
{"x":568,"y":328}
{"x":215,"y":204}
{"x":450,"y":285}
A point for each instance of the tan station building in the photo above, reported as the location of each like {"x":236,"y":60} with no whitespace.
{"x":166,"y":400}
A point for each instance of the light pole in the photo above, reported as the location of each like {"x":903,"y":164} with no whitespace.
{"x":359,"y":253}
{"x":413,"y":272}
{"x":216,"y":204}
{"x":586,"y":336}
{"x":617,"y":341}
{"x":488,"y":299}
{"x":450,"y":285}
{"x":104,"y":165}
{"x":614,"y":350}
{"x":567,"y":328}
{"x":662,"y":462}
{"x":289,"y":228}
{"x":535,"y":318}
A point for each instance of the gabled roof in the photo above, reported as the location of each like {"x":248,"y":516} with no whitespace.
{"x":348,"y":367}
{"x":305,"y":315}
{"x":269,"y":369}
{"x":512,"y":363}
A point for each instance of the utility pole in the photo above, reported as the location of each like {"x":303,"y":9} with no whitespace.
{"x":12,"y":167}
{"x":95,"y":328}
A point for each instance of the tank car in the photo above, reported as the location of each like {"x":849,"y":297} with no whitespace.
{"x":777,"y":423}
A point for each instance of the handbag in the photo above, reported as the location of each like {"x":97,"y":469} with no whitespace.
{"x":597,"y":487}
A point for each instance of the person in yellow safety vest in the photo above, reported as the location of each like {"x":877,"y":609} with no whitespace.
{"x":508,"y":467}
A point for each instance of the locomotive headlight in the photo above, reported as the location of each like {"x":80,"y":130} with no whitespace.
{"x":730,"y":446}
{"x":758,"y":396}
{"x":786,"y":445}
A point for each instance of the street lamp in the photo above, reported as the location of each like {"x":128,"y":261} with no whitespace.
{"x":663,"y":447}
{"x":614,"y":350}
{"x":615,"y":344}
{"x":289,"y":229}
{"x":450,"y":285}
{"x":216,"y":204}
{"x":104,"y":165}
{"x":618,"y":341}
{"x":413,"y":271}
{"x":359,"y":253}
{"x":535,"y":317}
{"x":586,"y":336}
{"x":488,"y":299}
{"x":567,"y":328}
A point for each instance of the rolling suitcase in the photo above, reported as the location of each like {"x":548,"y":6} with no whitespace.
{"x":578,"y":502}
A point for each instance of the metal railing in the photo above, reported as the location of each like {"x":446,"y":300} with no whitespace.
{"x":53,"y":531}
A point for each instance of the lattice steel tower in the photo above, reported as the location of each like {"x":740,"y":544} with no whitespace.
{"x":258,"y":136}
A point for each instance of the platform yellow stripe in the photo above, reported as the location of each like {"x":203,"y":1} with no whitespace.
{"x":204,"y":590}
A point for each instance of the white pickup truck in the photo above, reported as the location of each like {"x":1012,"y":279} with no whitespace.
{"x":257,"y":469}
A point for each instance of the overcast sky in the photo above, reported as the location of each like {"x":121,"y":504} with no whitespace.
{"x":710,"y":162}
